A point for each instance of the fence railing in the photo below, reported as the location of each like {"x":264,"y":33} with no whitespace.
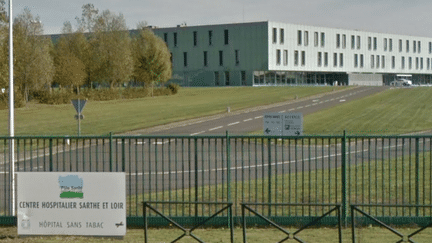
{"x":256,"y":169}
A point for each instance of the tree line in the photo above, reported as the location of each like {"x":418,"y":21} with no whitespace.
{"x":100,"y":51}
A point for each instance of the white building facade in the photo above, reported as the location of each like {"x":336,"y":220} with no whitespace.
{"x":271,"y":53}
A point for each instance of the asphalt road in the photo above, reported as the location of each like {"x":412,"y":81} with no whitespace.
{"x":249,"y":120}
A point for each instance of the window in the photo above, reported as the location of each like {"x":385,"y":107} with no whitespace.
{"x":334,"y":59}
{"x":421,"y":63}
{"x":383,"y":62}
{"x":428,"y":63}
{"x":403,"y":62}
{"x":226,"y":37}
{"x":282,"y":36}
{"x":343,"y":41}
{"x":285,"y":57}
{"x":216,"y":77}
{"x":322,"y":39}
{"x":409,"y":62}
{"x":430,"y":47}
{"x":243,"y":77}
{"x":369,"y":43}
{"x":166,"y":37}
{"x":278,"y":57}
{"x":417,"y":63}
{"x":299,"y":37}
{"x":319,"y":60}
{"x":372,"y":60}
{"x":393,"y":62}
{"x":352,"y":42}
{"x":400,"y":45}
{"x":210,"y":33}
{"x":414,"y":46}
{"x":418,"y":46}
{"x":385,"y":44}
{"x":377,"y":61}
{"x":315,"y":38}
{"x":185,"y":62}
{"x":390,"y":44}
{"x":361,"y":60}
{"x":237,"y":59}
{"x":340,"y":59}
{"x":337,"y":40}
{"x":227,"y":78}
{"x":205,"y":59}
{"x":274,"y":35}
{"x":358,"y":42}
{"x":220,"y":58}
{"x":296,"y":58}
{"x":375,"y":44}
{"x":325,"y":59}
{"x":355,"y":60}
{"x":407,"y":46}
{"x":303,"y":58}
{"x":175,"y":39}
{"x":195,"y":38}
{"x":306,"y":38}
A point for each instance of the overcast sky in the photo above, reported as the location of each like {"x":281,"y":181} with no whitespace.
{"x":389,"y":16}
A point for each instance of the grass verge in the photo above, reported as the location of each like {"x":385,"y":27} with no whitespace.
{"x":102,"y":117}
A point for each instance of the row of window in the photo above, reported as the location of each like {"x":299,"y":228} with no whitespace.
{"x":206,"y":58}
{"x":341,"y":41}
{"x":195,"y":38}
{"x":376,"y":61}
{"x":302,"y":37}
{"x":228,"y":79}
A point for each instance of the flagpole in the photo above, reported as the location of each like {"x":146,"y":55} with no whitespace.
{"x":11,"y":113}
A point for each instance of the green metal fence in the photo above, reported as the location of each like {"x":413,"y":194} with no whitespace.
{"x":242,"y":169}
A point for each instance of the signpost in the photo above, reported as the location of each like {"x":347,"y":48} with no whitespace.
{"x":79,"y":106}
{"x":283,"y":124}
{"x":71,"y":203}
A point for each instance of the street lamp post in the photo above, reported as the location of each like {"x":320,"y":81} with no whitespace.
{"x":11,"y":114}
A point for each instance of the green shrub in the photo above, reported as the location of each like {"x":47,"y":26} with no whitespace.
{"x":55,"y":97}
{"x":18,"y":101}
{"x":174,"y":87}
{"x":133,"y":93}
{"x":101,"y":94}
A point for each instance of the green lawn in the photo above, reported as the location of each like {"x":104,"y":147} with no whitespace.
{"x":323,"y":235}
{"x":395,"y":111}
{"x":102,"y":117}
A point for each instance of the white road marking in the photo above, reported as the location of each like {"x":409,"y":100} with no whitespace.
{"x":233,"y":123}
{"x":257,"y":117}
{"x":282,"y":111}
{"x":140,"y":142}
{"x":250,"y":119}
{"x":300,"y":107}
{"x":197,"y":133}
{"x":331,"y":99}
{"x":214,"y":128}
{"x":307,"y":105}
{"x":341,"y":100}
{"x":315,"y":100}
{"x":291,"y":109}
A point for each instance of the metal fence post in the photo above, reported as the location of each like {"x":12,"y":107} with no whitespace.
{"x":417,"y":174}
{"x":50,"y":154}
{"x":123,"y":156}
{"x":196,"y":176}
{"x":344,"y":180}
{"x":269,"y":174}
{"x":110,"y":151}
{"x":228,"y":159}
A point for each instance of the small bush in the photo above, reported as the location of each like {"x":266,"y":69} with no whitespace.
{"x":18,"y":101}
{"x":174,"y":88}
{"x":56,"y":97}
{"x":133,"y":93}
{"x":101,"y":94}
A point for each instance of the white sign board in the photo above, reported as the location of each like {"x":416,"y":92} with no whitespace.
{"x":67,"y":203}
{"x":292,"y":124}
{"x":273,"y":124}
{"x":283,"y":124}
